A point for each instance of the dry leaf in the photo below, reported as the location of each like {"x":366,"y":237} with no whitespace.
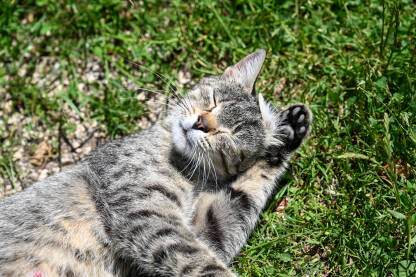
{"x":184,"y":77}
{"x":281,"y":205}
{"x":403,"y":169}
{"x":30,"y":17}
{"x":42,"y":154}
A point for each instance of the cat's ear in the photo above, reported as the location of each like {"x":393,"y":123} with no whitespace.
{"x":245,"y":71}
{"x":268,"y":113}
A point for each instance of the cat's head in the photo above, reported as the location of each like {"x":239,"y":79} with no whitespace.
{"x":220,"y":125}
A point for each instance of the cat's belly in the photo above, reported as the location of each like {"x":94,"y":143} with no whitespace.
{"x":62,"y":237}
{"x":46,"y":270}
{"x":74,"y":250}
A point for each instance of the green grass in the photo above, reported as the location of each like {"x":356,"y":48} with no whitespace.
{"x":351,"y":207}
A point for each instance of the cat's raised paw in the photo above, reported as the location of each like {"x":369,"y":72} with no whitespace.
{"x":293,"y":126}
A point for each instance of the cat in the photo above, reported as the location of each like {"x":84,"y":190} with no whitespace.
{"x":178,"y":199}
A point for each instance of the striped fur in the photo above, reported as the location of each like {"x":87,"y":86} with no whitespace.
{"x":178,"y":199}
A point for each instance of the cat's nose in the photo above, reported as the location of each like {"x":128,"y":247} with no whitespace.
{"x":201,"y":124}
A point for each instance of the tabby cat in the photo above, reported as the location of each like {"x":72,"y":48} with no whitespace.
{"x":178,"y":199}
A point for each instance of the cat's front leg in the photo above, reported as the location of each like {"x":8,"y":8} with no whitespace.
{"x":162,"y":245}
{"x":224,"y":220}
{"x":152,"y":237}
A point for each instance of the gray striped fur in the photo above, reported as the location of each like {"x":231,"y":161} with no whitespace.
{"x":178,"y":199}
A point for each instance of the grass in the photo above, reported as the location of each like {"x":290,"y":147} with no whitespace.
{"x":350,"y":195}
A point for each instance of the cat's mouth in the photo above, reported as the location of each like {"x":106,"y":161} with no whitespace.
{"x":185,"y":138}
{"x":189,"y":139}
{"x":184,"y":133}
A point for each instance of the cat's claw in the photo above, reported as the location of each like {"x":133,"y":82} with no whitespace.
{"x":293,"y":127}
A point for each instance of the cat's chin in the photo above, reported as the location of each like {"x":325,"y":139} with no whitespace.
{"x":182,"y":140}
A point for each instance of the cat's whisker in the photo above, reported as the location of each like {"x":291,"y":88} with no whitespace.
{"x":177,"y":101}
{"x":208,"y":166}
{"x":194,"y":161}
{"x":190,"y":160}
{"x":211,"y":169}
{"x":206,"y":171}
{"x":201,"y":144}
{"x":161,"y":93}
{"x":202,"y":168}
{"x":158,"y":92}
{"x":155,"y":100}
{"x":185,"y":105}
{"x":162,"y":77}
{"x":215,"y":173}
{"x":196,"y":164}
{"x":187,"y":102}
{"x":171,"y":105}
{"x":182,"y":101}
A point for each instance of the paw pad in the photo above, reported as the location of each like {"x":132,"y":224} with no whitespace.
{"x":293,"y":127}
{"x":296,"y":119}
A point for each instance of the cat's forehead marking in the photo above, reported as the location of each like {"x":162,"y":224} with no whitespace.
{"x":205,"y":90}
{"x":201,"y":93}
